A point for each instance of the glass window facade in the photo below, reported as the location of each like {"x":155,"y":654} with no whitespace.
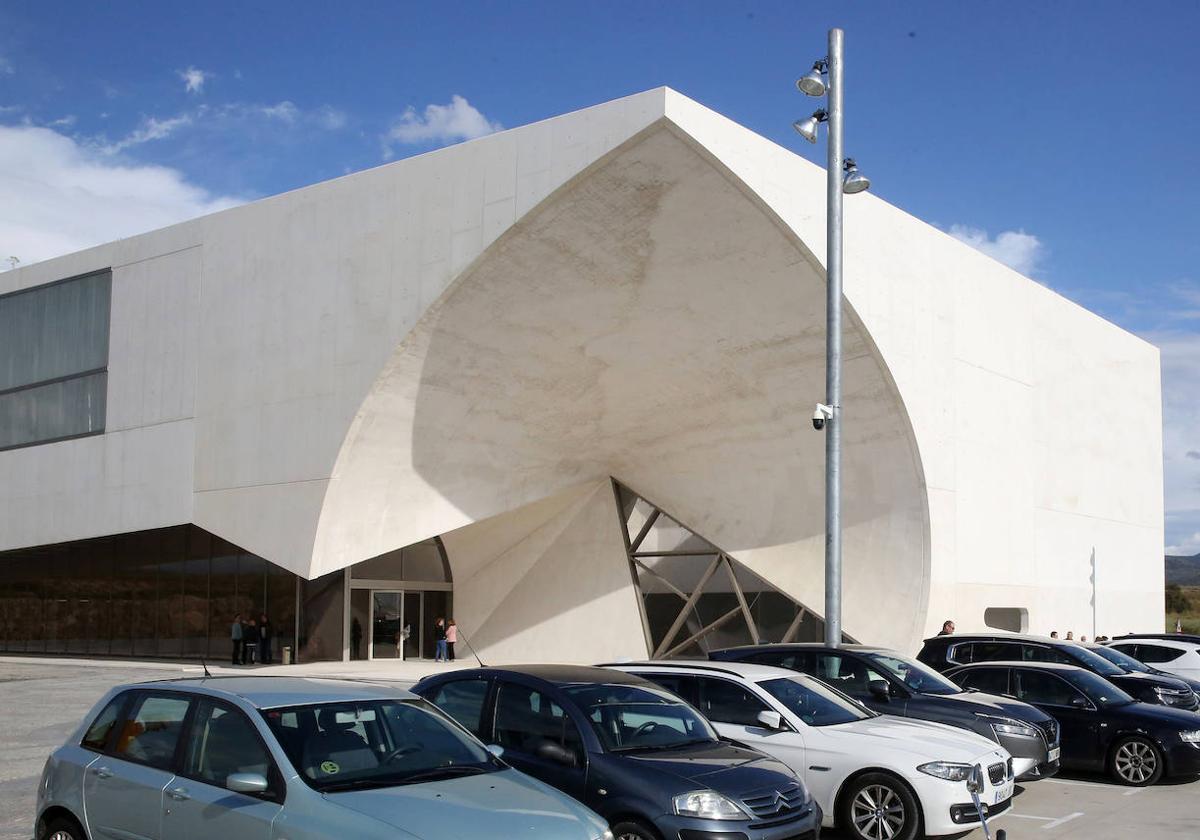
{"x":167,"y":593}
{"x":695,"y":597}
{"x":54,"y":360}
{"x":424,"y":561}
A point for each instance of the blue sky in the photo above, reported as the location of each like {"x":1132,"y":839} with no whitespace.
{"x":1059,"y":137}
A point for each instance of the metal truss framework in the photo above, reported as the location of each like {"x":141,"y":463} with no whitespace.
{"x":692,"y":594}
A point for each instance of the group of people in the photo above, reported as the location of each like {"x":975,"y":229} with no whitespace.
{"x":1071,"y":637}
{"x":948,"y":630}
{"x":251,"y":640}
{"x":446,"y":636}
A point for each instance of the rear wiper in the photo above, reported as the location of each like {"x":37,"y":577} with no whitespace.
{"x":445,"y":773}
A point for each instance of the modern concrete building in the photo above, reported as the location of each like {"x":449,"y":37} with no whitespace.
{"x":558,"y":383}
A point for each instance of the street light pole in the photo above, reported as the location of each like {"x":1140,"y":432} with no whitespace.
{"x":825,"y":79}
{"x":833,"y":345}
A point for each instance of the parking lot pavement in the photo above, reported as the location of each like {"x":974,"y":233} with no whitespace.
{"x":44,"y":701}
{"x":42,"y":704}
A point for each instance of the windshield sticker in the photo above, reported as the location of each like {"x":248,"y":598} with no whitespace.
{"x":330,"y":768}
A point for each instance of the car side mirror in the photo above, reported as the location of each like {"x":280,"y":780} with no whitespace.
{"x":1078,"y":702}
{"x":550,"y":751}
{"x":770,"y":719}
{"x":496,"y":750}
{"x":246,"y":783}
{"x":880,"y":690}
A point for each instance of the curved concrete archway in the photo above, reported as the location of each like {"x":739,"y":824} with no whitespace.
{"x":648,"y":321}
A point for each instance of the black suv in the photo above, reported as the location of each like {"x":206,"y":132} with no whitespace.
{"x":893,"y":684}
{"x":634,"y":753}
{"x":946,"y":652}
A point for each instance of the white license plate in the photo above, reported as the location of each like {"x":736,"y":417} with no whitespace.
{"x":1003,"y":794}
{"x":1054,"y":753}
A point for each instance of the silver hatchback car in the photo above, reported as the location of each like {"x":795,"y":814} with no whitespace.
{"x":244,"y":758}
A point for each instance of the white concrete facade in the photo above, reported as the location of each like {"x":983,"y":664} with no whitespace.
{"x":469,"y":343}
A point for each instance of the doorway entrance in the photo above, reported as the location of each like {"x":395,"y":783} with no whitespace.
{"x":396,"y":625}
{"x":394,"y":600}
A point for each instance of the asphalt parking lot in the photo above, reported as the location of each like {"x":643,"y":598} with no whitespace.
{"x":41,"y":703}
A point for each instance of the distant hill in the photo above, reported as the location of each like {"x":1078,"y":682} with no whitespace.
{"x":1184,"y":570}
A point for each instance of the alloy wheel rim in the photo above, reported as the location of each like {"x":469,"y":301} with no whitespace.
{"x":1136,"y":762}
{"x":877,"y":813}
{"x":60,"y":835}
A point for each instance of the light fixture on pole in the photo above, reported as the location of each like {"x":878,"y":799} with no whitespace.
{"x":807,"y":128}
{"x":842,"y":177}
{"x":854,"y":181}
{"x":814,"y":83}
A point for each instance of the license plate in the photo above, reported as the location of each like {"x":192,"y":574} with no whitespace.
{"x":1003,"y":794}
{"x":1054,"y":753}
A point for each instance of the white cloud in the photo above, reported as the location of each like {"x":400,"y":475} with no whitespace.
{"x":1187,"y":547}
{"x":6,"y":66}
{"x":330,"y":118}
{"x":1017,"y":249}
{"x":194,"y":79}
{"x":285,"y":111}
{"x":151,"y":128}
{"x":459,"y":120}
{"x":57,"y":196}
{"x":1180,"y":352}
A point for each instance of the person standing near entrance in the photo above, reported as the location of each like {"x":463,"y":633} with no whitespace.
{"x":439,"y":634}
{"x":264,"y":640}
{"x":249,"y":642}
{"x":451,"y":638}
{"x":235,"y":633}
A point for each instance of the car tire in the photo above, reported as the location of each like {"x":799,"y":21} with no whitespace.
{"x":1136,"y":761}
{"x":633,"y":830}
{"x":62,"y":828}
{"x":876,"y":802}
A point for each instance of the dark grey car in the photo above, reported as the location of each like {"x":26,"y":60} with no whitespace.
{"x":894,"y":684}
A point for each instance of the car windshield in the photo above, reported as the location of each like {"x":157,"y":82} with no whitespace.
{"x":630,"y":718}
{"x":1121,"y":660}
{"x":920,"y":678}
{"x":1099,"y":690}
{"x":375,"y":743}
{"x":1095,"y":663}
{"x":814,"y":702}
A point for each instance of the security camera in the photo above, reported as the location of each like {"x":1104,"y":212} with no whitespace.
{"x":821,"y":415}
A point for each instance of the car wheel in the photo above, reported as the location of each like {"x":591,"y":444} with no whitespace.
{"x":62,"y":828}
{"x":1136,"y":761}
{"x":878,"y":806}
{"x":633,"y":830}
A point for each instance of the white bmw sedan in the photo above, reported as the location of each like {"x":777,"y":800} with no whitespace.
{"x":877,"y":777}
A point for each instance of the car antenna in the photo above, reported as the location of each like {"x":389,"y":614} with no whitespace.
{"x":473,"y":653}
{"x":205,"y":667}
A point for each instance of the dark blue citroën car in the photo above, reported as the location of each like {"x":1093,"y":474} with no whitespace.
{"x":637,"y":755}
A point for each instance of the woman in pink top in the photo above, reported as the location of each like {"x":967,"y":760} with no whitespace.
{"x":451,"y":638}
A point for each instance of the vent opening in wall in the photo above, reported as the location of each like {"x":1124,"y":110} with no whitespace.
{"x":1013,"y":619}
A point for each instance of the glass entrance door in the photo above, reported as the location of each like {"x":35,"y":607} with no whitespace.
{"x":413,"y":603}
{"x":386,"y":625}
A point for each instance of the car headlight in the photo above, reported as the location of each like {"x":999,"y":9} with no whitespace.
{"x":1192,"y":737}
{"x":1008,"y":726}
{"x":951,"y":771}
{"x":709,"y":805}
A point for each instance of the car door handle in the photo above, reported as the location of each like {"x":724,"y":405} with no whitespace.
{"x":178,"y":794}
{"x":102,"y":772}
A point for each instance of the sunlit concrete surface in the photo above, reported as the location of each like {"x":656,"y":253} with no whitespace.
{"x":473,"y":341}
